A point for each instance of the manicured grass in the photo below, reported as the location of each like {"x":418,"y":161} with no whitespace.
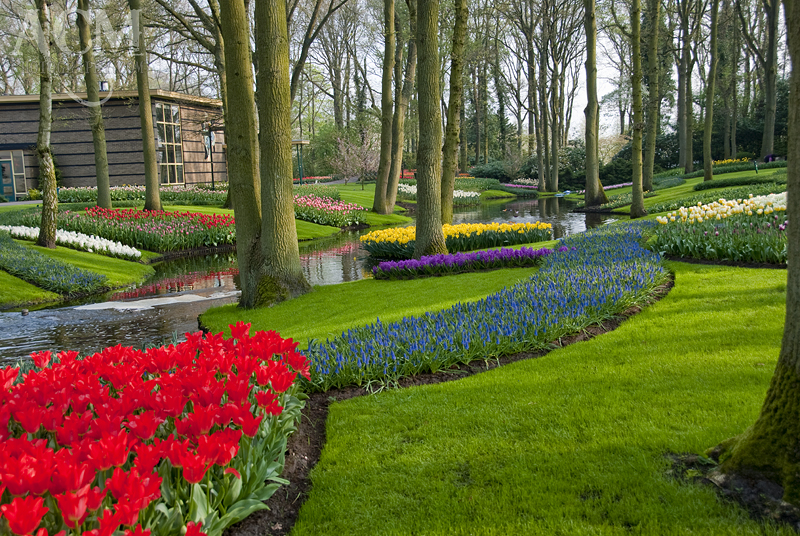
{"x":14,"y":291}
{"x":570,"y":443}
{"x":496,"y":194}
{"x":119,"y":272}
{"x":5,"y":207}
{"x":352,"y":193}
{"x":331,"y":309}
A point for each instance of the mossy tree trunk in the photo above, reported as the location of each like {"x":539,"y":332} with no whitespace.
{"x":429,"y":235}
{"x":282,"y":276}
{"x":47,"y":169}
{"x":95,"y":111}
{"x":385,"y":158}
{"x":771,"y":447}
{"x":708,"y":161}
{"x":637,"y":207}
{"x":403,"y":97}
{"x":594,"y":194}
{"x":653,"y":75}
{"x":152,"y":196}
{"x":450,"y":150}
{"x":242,"y":140}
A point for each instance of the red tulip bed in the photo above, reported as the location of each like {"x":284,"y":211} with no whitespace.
{"x":179,"y":439}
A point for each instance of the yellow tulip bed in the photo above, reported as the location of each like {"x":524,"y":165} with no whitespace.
{"x":398,"y":243}
{"x":742,"y":230}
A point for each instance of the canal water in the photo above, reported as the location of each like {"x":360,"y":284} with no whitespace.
{"x":170,"y":301}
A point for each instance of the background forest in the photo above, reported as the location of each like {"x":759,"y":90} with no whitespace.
{"x":522,"y":77}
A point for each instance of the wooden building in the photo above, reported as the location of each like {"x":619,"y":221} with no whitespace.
{"x":181,"y":125}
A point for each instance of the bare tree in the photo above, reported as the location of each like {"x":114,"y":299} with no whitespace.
{"x":47,"y":170}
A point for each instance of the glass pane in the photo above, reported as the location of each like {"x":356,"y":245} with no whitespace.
{"x":176,"y":114}
{"x":159,"y":111}
{"x":179,"y":173}
{"x":5,"y":155}
{"x":8,"y":191}
{"x":164,"y":174}
{"x":177,"y":133}
{"x":171,"y":174}
{"x":160,"y":136}
{"x":170,"y":154}
{"x":5,"y":170}
{"x":169,"y":139}
{"x":178,"y":155}
{"x":19,"y":164}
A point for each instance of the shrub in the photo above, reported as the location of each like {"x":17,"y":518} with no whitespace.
{"x":33,"y":194}
{"x":167,"y":438}
{"x":499,"y":170}
{"x":604,"y":272}
{"x":44,"y":271}
{"x":478,"y":184}
{"x":398,"y":243}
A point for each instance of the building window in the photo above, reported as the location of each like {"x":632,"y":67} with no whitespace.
{"x":15,"y":167}
{"x":168,"y":129}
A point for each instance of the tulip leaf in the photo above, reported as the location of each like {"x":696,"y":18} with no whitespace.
{"x":198,"y":509}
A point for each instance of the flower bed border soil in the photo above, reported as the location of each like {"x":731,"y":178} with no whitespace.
{"x":717,"y":262}
{"x":305,"y":446}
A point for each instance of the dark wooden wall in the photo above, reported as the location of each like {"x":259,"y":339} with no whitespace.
{"x":74,"y":150}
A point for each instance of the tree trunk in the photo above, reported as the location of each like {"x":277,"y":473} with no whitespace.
{"x":385,"y":159}
{"x":95,"y":111}
{"x":242,"y":140}
{"x":462,"y":163}
{"x":653,"y":74}
{"x":637,"y":207}
{"x":282,"y":276}
{"x":401,"y":108}
{"x":454,"y":111}
{"x":708,"y":162}
{"x":771,"y":447}
{"x":688,"y":109}
{"x":47,"y":170}
{"x":594,"y":195}
{"x":683,"y":67}
{"x":771,"y":78}
{"x":429,"y":235}
{"x":152,"y":197}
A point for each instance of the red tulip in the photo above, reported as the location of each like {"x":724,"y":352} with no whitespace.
{"x":193,"y":529}
{"x":24,"y":514}
{"x":74,"y":506}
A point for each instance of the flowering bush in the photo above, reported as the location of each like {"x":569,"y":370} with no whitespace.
{"x":460,"y":262}
{"x":150,"y":441}
{"x":325,"y":211}
{"x":92,"y":244}
{"x":398,"y":243}
{"x":742,"y":230}
{"x":44,"y":271}
{"x":152,"y":230}
{"x":604,"y":272}
{"x":460,"y":197}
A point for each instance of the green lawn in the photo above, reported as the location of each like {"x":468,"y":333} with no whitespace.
{"x":496,"y":194}
{"x":331,"y":309}
{"x":352,"y":193}
{"x":571,"y":443}
{"x":16,"y":292}
{"x":6,"y":207}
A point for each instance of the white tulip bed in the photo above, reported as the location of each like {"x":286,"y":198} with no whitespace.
{"x":79,"y":241}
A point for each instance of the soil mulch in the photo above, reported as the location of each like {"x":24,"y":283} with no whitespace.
{"x":736,"y":264}
{"x":762,"y":498}
{"x":305,"y":445}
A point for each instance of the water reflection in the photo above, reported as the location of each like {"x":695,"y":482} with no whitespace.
{"x":332,"y":260}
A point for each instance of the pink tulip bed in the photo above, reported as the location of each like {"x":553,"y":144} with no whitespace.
{"x":326,"y":211}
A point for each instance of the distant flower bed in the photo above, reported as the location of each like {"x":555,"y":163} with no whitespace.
{"x":521,"y":186}
{"x":189,"y":194}
{"x":705,"y":197}
{"x":604,"y":272}
{"x":742,"y":230}
{"x":325,"y":211}
{"x":460,"y":197}
{"x":155,"y":230}
{"x":475,"y":183}
{"x":398,"y":243}
{"x":319,"y":190}
{"x":730,"y":161}
{"x":79,"y":241}
{"x":44,"y":271}
{"x":456,"y":263}
{"x":525,"y":182}
{"x":326,"y":178}
{"x":177,"y":439}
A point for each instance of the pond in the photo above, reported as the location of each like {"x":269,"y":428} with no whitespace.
{"x":182,"y":289}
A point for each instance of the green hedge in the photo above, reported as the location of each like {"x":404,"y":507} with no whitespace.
{"x":740,"y":181}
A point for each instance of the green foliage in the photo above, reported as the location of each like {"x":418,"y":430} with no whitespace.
{"x":733,"y":168}
{"x":476,"y":183}
{"x":619,"y":200}
{"x":319,"y":190}
{"x":33,"y":194}
{"x":500,"y":170}
{"x":740,"y":181}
